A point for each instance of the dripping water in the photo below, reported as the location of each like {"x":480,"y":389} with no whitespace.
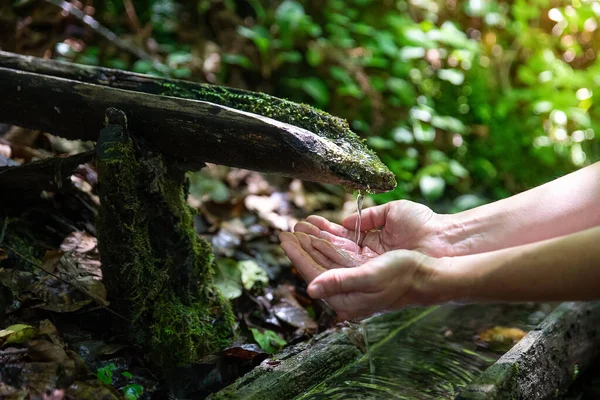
{"x":359,"y":203}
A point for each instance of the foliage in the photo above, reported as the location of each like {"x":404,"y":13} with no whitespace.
{"x":483,"y":97}
{"x":105,"y":374}
{"x":268,"y":340}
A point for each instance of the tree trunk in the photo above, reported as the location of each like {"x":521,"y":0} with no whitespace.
{"x":157,"y":271}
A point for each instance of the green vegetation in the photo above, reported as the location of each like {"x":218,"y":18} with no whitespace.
{"x":158,"y":270}
{"x":465,"y":101}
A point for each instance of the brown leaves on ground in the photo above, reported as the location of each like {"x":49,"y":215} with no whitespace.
{"x":39,"y":365}
{"x":68,"y":279}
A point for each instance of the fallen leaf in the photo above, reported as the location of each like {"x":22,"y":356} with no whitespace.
{"x":43,"y":350}
{"x":500,"y":338}
{"x":248,"y":351}
{"x":268,"y":340}
{"x":252,"y":274}
{"x":17,"y":334}
{"x":288,"y":309}
{"x":228,"y":278}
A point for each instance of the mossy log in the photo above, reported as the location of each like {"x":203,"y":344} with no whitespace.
{"x":546,"y":361}
{"x":157,"y":271}
{"x":300,"y":367}
{"x":192,"y":123}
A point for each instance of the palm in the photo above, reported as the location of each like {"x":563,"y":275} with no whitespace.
{"x":398,"y":225}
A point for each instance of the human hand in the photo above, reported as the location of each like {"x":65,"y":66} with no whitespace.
{"x":390,"y":281}
{"x":393,"y":226}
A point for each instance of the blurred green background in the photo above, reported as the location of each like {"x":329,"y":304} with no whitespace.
{"x":465,"y":101}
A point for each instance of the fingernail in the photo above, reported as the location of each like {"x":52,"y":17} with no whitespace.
{"x":316,"y":291}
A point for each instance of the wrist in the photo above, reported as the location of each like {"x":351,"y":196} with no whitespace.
{"x":453,"y":235}
{"x":449,"y":279}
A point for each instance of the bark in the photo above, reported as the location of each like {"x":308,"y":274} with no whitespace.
{"x":158,"y":272}
{"x":185,"y":122}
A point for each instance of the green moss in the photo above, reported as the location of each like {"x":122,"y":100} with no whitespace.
{"x":186,"y":332}
{"x":355,"y":160}
{"x":157,"y":271}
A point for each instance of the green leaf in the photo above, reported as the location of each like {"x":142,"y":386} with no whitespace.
{"x":268,"y":340}
{"x":340,"y":74}
{"x":228,"y":278}
{"x":133,"y":391}
{"x":258,"y":34}
{"x":457,"y":169}
{"x":411,"y":53}
{"x":290,"y":12}
{"x":314,"y":57}
{"x":448,"y":123}
{"x":402,"y":135}
{"x":432,"y":187}
{"x":292,"y":57}
{"x":17,"y":334}
{"x":202,"y":184}
{"x":385,"y":43}
{"x":379,"y":143}
{"x":237,"y":59}
{"x":177,"y":58}
{"x":401,"y":88}
{"x":105,"y":374}
{"x":454,"y":76}
{"x":142,"y":66}
{"x":252,"y":273}
{"x":127,"y":374}
{"x":317,"y":89}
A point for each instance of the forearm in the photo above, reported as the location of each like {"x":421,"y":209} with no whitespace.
{"x":561,"y":269}
{"x":565,"y":205}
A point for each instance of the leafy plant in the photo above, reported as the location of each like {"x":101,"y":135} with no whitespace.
{"x":105,"y":374}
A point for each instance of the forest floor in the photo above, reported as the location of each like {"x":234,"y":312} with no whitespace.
{"x":54,"y":342}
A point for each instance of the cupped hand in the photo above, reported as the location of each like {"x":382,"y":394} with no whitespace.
{"x":390,"y":281}
{"x":393,"y":226}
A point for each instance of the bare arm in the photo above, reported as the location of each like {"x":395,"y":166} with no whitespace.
{"x":565,"y":205}
{"x":559,"y":269}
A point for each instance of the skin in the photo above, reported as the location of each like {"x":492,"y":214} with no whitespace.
{"x":540,"y":245}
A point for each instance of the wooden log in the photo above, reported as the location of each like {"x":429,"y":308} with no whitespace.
{"x":546,"y":361}
{"x":48,"y":174}
{"x":300,"y":367}
{"x":70,"y":101}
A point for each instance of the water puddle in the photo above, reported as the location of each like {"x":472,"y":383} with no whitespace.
{"x":430,"y":355}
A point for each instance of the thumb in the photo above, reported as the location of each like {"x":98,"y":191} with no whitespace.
{"x":372,"y":217}
{"x":341,"y":280}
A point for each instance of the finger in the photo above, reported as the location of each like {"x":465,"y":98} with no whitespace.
{"x":333,"y":228}
{"x":307,"y":227}
{"x":342,"y":243}
{"x":333,"y":253}
{"x":371,"y":218}
{"x":310,"y":229}
{"x":322,"y":260}
{"x":307,"y":267}
{"x":287,"y":237}
{"x":342,"y":280}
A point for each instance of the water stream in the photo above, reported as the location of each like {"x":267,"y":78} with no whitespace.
{"x":424,"y":353}
{"x":357,"y":225}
